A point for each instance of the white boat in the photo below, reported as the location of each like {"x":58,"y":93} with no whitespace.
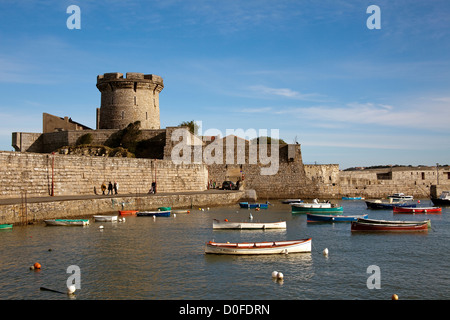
{"x":248,"y":225}
{"x":289,"y":201}
{"x":267,"y":247}
{"x":67,"y":222}
{"x":105,"y":218}
{"x":400,"y":196}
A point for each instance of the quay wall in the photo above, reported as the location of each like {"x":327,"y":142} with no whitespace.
{"x":37,"y":174}
{"x":32,"y":212}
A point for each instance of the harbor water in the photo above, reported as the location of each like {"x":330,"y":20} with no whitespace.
{"x":163,"y":258}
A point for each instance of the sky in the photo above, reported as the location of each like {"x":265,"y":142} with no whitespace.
{"x":313,"y":70}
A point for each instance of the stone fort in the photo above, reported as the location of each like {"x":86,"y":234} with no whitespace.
{"x":135,"y":97}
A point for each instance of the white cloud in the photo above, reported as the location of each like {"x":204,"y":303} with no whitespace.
{"x":283,"y":92}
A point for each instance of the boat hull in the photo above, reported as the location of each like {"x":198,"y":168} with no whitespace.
{"x":427,"y":210}
{"x":153,"y":214}
{"x":67,"y":222}
{"x":259,"y":248}
{"x":332,"y":218}
{"x":385,"y":205}
{"x":440,"y":202}
{"x":5,"y":226}
{"x":105,"y":218}
{"x":389,"y":226}
{"x":248,"y":225}
{"x":128,"y":212}
{"x":352,"y":198}
{"x":246,"y":205}
{"x":289,"y":201}
{"x":316,"y":207}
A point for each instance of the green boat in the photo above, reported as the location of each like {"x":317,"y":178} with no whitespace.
{"x":164,"y":208}
{"x":316,"y":207}
{"x":5,"y":226}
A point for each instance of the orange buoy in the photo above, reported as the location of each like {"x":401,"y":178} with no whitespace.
{"x":394,"y":297}
{"x":226,"y":220}
{"x":37,"y":265}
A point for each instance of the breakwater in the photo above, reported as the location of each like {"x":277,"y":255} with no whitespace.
{"x":23,"y":211}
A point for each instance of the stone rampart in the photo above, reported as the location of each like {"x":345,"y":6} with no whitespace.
{"x":37,"y":174}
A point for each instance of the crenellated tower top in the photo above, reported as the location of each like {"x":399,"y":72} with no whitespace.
{"x":128,"y":99}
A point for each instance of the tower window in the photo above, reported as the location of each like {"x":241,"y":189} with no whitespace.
{"x":134,"y":100}
{"x":146,"y":115}
{"x":123,"y":114}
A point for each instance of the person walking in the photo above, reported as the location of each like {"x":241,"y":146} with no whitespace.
{"x":110,"y":188}
{"x":103,"y":187}
{"x":116,"y":187}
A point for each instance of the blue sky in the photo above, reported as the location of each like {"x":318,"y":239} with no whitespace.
{"x":311,"y":69}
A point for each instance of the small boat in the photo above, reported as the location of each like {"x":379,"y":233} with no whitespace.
{"x":5,"y":226}
{"x":105,"y":218}
{"x":378,"y":204}
{"x":181,"y":211}
{"x":164,"y":208}
{"x":316,"y":207}
{"x":153,"y":213}
{"x":128,"y":212}
{"x":289,"y":201}
{"x":442,"y":200}
{"x":352,"y":198}
{"x":267,"y":247}
{"x":248,"y":225}
{"x":417,"y":210}
{"x":400,"y":196}
{"x":247,"y":205}
{"x":310,"y":217}
{"x":392,"y":226}
{"x":67,"y":222}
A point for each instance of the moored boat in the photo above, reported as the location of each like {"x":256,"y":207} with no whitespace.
{"x":311,"y":217}
{"x":101,"y":218}
{"x":400,"y":197}
{"x":181,"y":211}
{"x":67,"y":222}
{"x":153,"y":213}
{"x":248,"y":225}
{"x":352,"y":198}
{"x":266,"y":247}
{"x":414,"y":210}
{"x":378,"y":204}
{"x":391,"y":226}
{"x":5,"y":226}
{"x":442,"y":200}
{"x":289,"y":201}
{"x":316,"y":207}
{"x":128,"y":212}
{"x":247,"y":205}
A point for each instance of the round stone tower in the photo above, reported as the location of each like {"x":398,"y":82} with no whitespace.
{"x":128,"y":99}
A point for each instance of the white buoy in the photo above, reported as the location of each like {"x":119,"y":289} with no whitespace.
{"x":250,"y":217}
{"x":71,"y":289}
{"x":154,"y":217}
{"x":101,"y":227}
{"x":174,"y":215}
{"x":280,"y":276}
{"x":325,"y":252}
{"x":274,"y":274}
{"x":123,"y":219}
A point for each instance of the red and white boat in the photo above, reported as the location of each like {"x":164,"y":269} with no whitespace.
{"x":267,"y":247}
{"x":437,"y":210}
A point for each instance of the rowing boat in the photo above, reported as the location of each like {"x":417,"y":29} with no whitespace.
{"x":247,"y":205}
{"x":385,"y":225}
{"x":128,"y":212}
{"x":316,"y":207}
{"x":105,"y":218}
{"x":310,"y":217}
{"x":267,"y":247}
{"x":153,"y":214}
{"x":67,"y":222}
{"x":418,"y":210}
{"x":248,"y":225}
{"x":378,"y":204}
{"x":5,"y":226}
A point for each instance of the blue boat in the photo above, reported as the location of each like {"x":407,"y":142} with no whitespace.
{"x":153,"y":214}
{"x":247,"y":205}
{"x":378,"y":204}
{"x":352,"y":198}
{"x":332,"y":218}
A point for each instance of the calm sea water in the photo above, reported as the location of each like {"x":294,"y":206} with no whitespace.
{"x":164,"y":258}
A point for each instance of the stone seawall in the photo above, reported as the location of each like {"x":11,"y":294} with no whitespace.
{"x":38,"y":210}
{"x":39,"y":174}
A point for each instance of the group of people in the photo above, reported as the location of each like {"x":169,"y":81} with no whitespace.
{"x":112,"y":188}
